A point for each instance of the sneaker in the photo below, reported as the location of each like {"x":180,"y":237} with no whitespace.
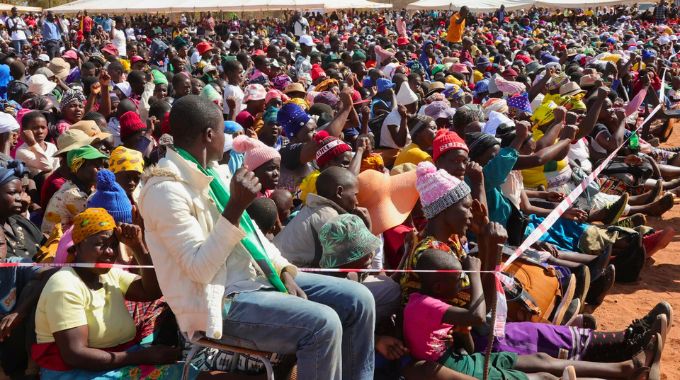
{"x":657,"y":241}
{"x":615,"y":210}
{"x":567,"y":297}
{"x":632,"y":221}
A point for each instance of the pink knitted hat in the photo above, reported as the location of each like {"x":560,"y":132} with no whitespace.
{"x":256,"y":152}
{"x":438,"y":189}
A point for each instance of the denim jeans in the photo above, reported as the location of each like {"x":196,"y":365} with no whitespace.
{"x":331,"y":333}
{"x":17,"y":45}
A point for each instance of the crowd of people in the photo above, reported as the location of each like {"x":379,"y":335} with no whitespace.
{"x":400,"y":156}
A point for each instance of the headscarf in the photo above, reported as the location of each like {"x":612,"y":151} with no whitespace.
{"x":270,"y":114}
{"x":90,"y":222}
{"x":211,"y":94}
{"x":72,"y":96}
{"x":5,"y":78}
{"x":123,"y":159}
{"x":424,"y":60}
{"x":159,"y":77}
{"x":479,"y":142}
{"x":14,"y":170}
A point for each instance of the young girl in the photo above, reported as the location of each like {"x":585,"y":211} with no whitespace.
{"x":263,"y":160}
{"x":446,"y":202}
{"x":35,"y":151}
{"x":428,"y":320}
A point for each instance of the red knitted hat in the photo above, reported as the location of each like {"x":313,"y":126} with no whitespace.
{"x":130,"y":123}
{"x":446,"y":140}
{"x":330,"y":148}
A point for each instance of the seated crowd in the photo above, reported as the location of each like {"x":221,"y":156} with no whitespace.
{"x":337,"y":191}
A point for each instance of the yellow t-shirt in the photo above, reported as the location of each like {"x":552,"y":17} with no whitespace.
{"x":66,"y":302}
{"x":455,"y":32}
{"x":413,"y":154}
{"x":545,"y":175}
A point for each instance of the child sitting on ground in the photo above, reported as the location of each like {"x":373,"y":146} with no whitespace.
{"x":428,"y":321}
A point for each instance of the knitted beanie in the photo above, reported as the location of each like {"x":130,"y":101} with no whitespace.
{"x":438,"y":189}
{"x":330,"y":148}
{"x":256,"y":152}
{"x":130,"y":123}
{"x":111,"y":196}
{"x":444,"y":141}
{"x":292,"y":118}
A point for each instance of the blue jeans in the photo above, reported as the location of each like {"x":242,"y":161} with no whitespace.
{"x":17,"y":45}
{"x":331,"y":333}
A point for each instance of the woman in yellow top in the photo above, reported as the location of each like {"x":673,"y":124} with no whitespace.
{"x":457,"y":25}
{"x":83,"y":328}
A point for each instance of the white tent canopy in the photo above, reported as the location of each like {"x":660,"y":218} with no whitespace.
{"x":174,"y":6}
{"x":20,"y":8}
{"x":356,"y":4}
{"x":473,"y":5}
{"x":492,"y":5}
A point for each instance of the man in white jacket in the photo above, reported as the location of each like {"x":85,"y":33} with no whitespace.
{"x":210,"y":279}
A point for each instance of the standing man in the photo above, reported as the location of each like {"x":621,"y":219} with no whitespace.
{"x":300,"y":25}
{"x":51,"y":32}
{"x":17,"y":27}
{"x":219,"y":273}
{"x":457,"y":26}
{"x":87,"y":24}
{"x":661,"y":12}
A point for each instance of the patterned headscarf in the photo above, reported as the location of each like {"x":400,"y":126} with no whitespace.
{"x":77,"y":157}
{"x":72,"y":96}
{"x":270,"y":115}
{"x":123,"y":159}
{"x":90,"y":222}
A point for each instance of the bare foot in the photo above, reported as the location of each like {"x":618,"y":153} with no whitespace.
{"x":660,"y":206}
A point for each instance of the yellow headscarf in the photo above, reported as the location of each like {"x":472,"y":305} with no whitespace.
{"x":123,"y":159}
{"x":90,"y":222}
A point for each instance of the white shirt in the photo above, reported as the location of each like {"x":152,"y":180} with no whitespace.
{"x":119,"y":42}
{"x":579,"y":152}
{"x":38,"y":159}
{"x":195,"y":58}
{"x":235,"y":92}
{"x":130,"y":33}
{"x":18,"y":34}
{"x":300,"y":26}
{"x":386,"y":140}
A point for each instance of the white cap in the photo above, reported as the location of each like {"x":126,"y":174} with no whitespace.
{"x":406,"y":96}
{"x":8,"y":123}
{"x":44,"y":57}
{"x":209,"y":68}
{"x":306,"y":40}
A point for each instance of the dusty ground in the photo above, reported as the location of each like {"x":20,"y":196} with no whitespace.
{"x":660,"y":280}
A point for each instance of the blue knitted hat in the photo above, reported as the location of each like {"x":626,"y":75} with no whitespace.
{"x":111,"y":196}
{"x":292,"y":118}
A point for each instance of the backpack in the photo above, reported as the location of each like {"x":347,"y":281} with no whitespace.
{"x":532,"y":292}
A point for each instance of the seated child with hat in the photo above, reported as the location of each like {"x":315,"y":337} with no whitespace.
{"x":348,"y":244}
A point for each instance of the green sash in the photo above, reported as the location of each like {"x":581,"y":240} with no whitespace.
{"x":252,"y":243}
